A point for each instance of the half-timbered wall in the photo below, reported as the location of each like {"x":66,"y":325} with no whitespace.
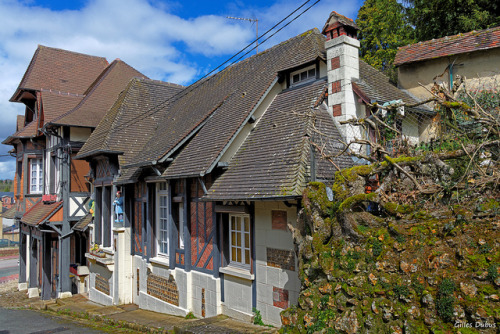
{"x":202,"y":227}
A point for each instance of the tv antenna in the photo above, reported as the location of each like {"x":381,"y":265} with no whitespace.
{"x":256,"y":28}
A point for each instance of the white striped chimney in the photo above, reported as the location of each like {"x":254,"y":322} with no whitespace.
{"x":342,"y":54}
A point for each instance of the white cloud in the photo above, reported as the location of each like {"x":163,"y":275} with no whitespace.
{"x":7,"y":169}
{"x":143,"y":33}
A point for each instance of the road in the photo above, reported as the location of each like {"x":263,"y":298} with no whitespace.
{"x":8,"y":267}
{"x":31,"y":322}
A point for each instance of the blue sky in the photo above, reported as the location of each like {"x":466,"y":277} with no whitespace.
{"x":166,"y":40}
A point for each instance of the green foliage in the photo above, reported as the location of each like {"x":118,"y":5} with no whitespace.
{"x":257,"y":319}
{"x":485,"y":248}
{"x":492,"y":272}
{"x":377,"y":247}
{"x":401,"y":290}
{"x":418,"y":287}
{"x":445,"y":300}
{"x":381,"y":34}
{"x":322,"y":322}
{"x":439,"y":18}
{"x":190,"y":315}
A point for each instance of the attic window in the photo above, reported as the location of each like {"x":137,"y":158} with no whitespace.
{"x":303,"y":75}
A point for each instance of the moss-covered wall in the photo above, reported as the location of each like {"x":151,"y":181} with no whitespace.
{"x":406,"y":268}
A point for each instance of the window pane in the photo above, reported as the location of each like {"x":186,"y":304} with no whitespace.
{"x":247,"y":240}
{"x":238,"y":225}
{"x":312,"y":73}
{"x":247,"y":257}
{"x":233,"y":238}
{"x":296,"y":78}
{"x":238,"y":255}
{"x":247,"y":224}
{"x":303,"y":75}
{"x":233,"y":254}
{"x":238,"y":239}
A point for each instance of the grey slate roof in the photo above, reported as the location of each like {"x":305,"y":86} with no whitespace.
{"x":83,"y":223}
{"x":224,"y":102}
{"x":377,"y":87}
{"x":274,"y":160}
{"x":125,"y":127}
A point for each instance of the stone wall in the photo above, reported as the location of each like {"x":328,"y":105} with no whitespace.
{"x":406,"y":269}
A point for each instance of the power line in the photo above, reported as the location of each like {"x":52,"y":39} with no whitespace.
{"x":201,"y":81}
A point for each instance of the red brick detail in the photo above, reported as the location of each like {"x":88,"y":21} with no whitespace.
{"x":335,"y":63}
{"x":278,"y":220}
{"x":337,"y":110}
{"x":280,"y":298}
{"x":336,"y":87}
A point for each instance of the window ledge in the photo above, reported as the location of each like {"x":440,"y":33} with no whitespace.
{"x":238,"y":272}
{"x":162,"y":261}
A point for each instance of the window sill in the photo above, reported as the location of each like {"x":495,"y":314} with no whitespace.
{"x":237,"y":272}
{"x":162,"y":261}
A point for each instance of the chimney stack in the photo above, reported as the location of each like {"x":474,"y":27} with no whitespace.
{"x":342,"y":54}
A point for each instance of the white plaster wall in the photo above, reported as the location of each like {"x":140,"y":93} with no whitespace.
{"x":480,"y":68}
{"x":410,"y":129}
{"x":237,"y":297}
{"x":212,"y":288}
{"x":266,"y":277}
{"x":95,"y":295}
{"x":123,"y":266}
{"x":147,"y":302}
{"x":79,"y":134}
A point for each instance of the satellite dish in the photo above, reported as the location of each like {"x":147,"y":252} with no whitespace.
{"x":329,"y":194}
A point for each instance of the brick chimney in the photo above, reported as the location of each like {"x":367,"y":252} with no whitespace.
{"x":342,"y":54}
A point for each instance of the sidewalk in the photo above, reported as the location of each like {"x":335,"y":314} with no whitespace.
{"x":126,"y":316}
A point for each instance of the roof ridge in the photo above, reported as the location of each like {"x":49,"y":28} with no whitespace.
{"x":69,"y":51}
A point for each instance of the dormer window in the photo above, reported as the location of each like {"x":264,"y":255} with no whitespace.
{"x":303,"y":75}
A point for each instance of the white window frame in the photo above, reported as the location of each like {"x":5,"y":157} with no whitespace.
{"x":181,"y":225}
{"x":162,"y":216}
{"x":308,"y":76}
{"x":36,"y":165}
{"x":239,"y":233}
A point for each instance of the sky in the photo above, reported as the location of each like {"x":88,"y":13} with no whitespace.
{"x":174,"y":41}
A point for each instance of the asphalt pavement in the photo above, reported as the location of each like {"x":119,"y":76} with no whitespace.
{"x":32,"y":322}
{"x":8,"y":267}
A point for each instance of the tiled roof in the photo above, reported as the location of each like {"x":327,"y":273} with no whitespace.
{"x":54,"y":104}
{"x":448,"y":46}
{"x":20,"y":122}
{"x":274,"y":159}
{"x":39,"y":212}
{"x":224,"y":101}
{"x":100,"y":96}
{"x":377,"y":87}
{"x":125,"y":128}
{"x":60,"y":70}
{"x":83,"y":223}
{"x":9,"y":213}
{"x":340,"y":18}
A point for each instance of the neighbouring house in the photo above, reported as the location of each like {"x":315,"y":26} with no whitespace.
{"x":62,"y":91}
{"x":7,"y":199}
{"x":9,"y":230}
{"x":472,"y":57}
{"x":212,"y":175}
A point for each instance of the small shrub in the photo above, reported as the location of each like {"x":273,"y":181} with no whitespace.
{"x":445,"y":300}
{"x":445,"y":308}
{"x":190,"y":315}
{"x":492,"y":273}
{"x":485,"y":248}
{"x":376,"y":248}
{"x":418,"y":287}
{"x":401,"y":290}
